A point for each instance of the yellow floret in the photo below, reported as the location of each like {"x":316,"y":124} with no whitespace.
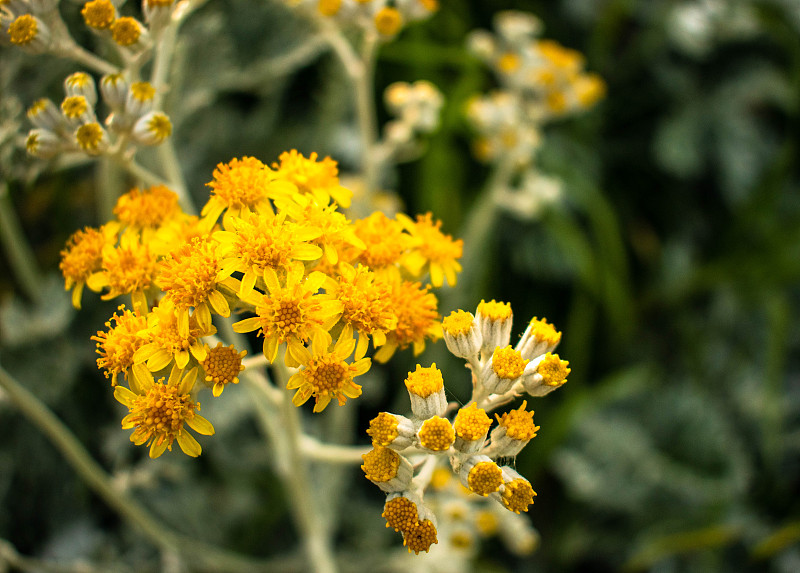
{"x":380,"y":464}
{"x":400,"y":513}
{"x":472,"y":423}
{"x":518,"y":495}
{"x":425,"y":381}
{"x":458,"y":323}
{"x":440,"y":478}
{"x":23,"y":30}
{"x":99,"y":14}
{"x":89,"y":136}
{"x":388,"y":21}
{"x":495,"y":311}
{"x":486,"y":523}
{"x":553,"y":370}
{"x":508,"y":363}
{"x":383,"y":429}
{"x":436,"y":434}
{"x":544,"y":331}
{"x":485,"y":478}
{"x":126,"y":31}
{"x":420,"y":536}
{"x":222,"y":365}
{"x":518,"y":423}
{"x":143,"y":91}
{"x":74,"y":107}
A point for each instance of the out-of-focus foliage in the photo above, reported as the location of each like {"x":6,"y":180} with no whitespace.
{"x":673,"y":268}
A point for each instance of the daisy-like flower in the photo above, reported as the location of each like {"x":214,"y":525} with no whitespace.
{"x":242,"y":186}
{"x":147,"y":209}
{"x":325,"y":374}
{"x":167,"y":343}
{"x":129,"y":268}
{"x":191,"y":278}
{"x":293,"y":313}
{"x":118,"y":345}
{"x":318,"y":178}
{"x":434,"y":251}
{"x":257,"y":243}
{"x":159,"y":411}
{"x":417,"y":319}
{"x":336,"y":232}
{"x":222,"y":366}
{"x":83,"y":256}
{"x":366,"y":304}
{"x":386,"y":244}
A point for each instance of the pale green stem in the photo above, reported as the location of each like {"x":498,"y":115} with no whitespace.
{"x":10,"y":556}
{"x":139,"y":172}
{"x":109,"y":187}
{"x":204,"y":556}
{"x":176,"y":181}
{"x":20,"y":255}
{"x":317,"y":544}
{"x":365,"y":112}
{"x":76,"y":53}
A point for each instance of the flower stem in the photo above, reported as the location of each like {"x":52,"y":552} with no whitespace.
{"x":203,"y":556}
{"x":317,"y":543}
{"x":18,"y":249}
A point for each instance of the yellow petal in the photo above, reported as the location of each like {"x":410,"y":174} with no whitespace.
{"x":124,"y":396}
{"x":248,"y":282}
{"x":247,"y":325}
{"x":200,"y":425}
{"x":322,"y":402}
{"x":159,"y":360}
{"x":156,"y":448}
{"x":188,"y":444}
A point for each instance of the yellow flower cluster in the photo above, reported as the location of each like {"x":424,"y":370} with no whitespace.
{"x":270,"y":242}
{"x":438,"y":431}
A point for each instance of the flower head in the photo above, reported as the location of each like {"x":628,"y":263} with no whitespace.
{"x":318,"y":178}
{"x":222,"y":366}
{"x":83,"y":256}
{"x":257,"y":243}
{"x":293,"y":313}
{"x":417,"y":319}
{"x":118,"y":345}
{"x":191,"y":278}
{"x":168,"y":342}
{"x":149,"y":208}
{"x":366,"y":304}
{"x":241,"y":186}
{"x":99,"y":14}
{"x":159,"y":412}
{"x":325,"y":374}
{"x":434,"y":251}
{"x":129,"y":268}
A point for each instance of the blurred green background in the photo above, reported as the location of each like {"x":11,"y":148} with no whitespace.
{"x":671,"y":266}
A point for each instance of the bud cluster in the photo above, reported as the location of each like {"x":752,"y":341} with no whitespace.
{"x":406,"y":450}
{"x":73,"y":126}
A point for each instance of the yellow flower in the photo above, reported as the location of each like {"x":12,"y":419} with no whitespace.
{"x":129,"y":268}
{"x":118,"y":346}
{"x":386,"y":244}
{"x":159,"y":411}
{"x":259,"y":243}
{"x":147,"y":209}
{"x":293,"y":313}
{"x":191,"y":278}
{"x":336,"y":233}
{"x":325,"y":374}
{"x":83,"y":256}
{"x":417,"y":319}
{"x":320,"y":179}
{"x":242,"y":186}
{"x":366,"y":304}
{"x":222,"y":366}
{"x":434,"y":250}
{"x":167,"y":342}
